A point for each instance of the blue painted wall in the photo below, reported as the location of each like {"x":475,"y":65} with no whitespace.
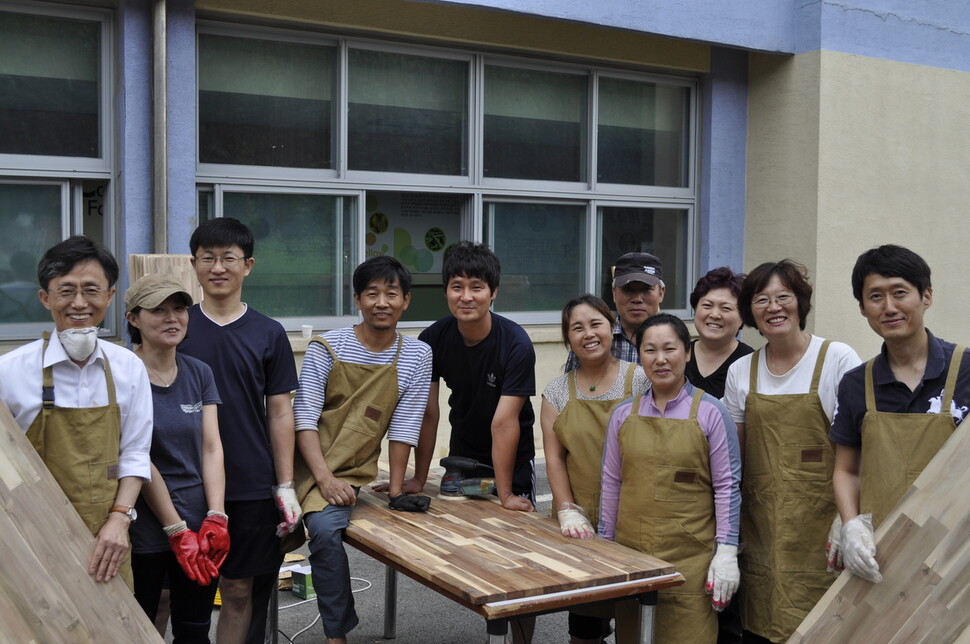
{"x":724,"y":132}
{"x":133,"y":105}
{"x":935,"y":33}
{"x":182,"y":201}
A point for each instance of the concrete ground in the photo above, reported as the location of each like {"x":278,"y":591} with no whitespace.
{"x":423,"y":616}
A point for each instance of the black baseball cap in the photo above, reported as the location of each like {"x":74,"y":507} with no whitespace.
{"x":637,"y":267}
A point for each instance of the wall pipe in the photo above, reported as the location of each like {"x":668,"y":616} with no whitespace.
{"x":159,"y":127}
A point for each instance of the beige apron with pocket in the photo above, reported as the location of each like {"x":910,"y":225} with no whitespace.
{"x":581,"y":429}
{"x":787,"y":506}
{"x":666,"y":510}
{"x":80,"y":446}
{"x":897,"y":447}
{"x":360,"y":401}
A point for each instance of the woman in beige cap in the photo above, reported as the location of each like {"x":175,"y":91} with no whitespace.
{"x":182,"y":530}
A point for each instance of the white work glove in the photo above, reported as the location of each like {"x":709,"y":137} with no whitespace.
{"x":289,"y":508}
{"x":859,"y":548}
{"x":723,"y":576}
{"x":833,"y":547}
{"x":573,"y":522}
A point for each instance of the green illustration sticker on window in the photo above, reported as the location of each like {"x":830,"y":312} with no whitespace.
{"x":434,"y":239}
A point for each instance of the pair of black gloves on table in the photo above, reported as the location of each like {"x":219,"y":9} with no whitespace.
{"x":409,"y":503}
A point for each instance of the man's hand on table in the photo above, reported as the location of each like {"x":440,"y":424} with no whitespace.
{"x":411,"y":486}
{"x":515,"y":502}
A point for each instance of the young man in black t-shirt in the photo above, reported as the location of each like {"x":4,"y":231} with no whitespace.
{"x":488,"y":362}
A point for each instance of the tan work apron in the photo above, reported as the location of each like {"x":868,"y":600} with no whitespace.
{"x":581,"y":428}
{"x":787,"y":506}
{"x":80,"y":446}
{"x":897,"y":447}
{"x":360,"y":401}
{"x":666,"y":510}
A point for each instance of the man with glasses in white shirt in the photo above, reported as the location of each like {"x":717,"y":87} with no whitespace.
{"x":84,"y":404}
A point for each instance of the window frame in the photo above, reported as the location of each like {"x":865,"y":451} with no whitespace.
{"x":70,"y":172}
{"x":28,"y":165}
{"x":479,"y":189}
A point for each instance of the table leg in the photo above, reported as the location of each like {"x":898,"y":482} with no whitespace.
{"x":497,"y":629}
{"x":390,"y":603}
{"x":648,"y":608}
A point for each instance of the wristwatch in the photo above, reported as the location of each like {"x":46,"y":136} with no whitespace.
{"x":127,"y":510}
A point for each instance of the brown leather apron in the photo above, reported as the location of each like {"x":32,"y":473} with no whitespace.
{"x":897,"y":447}
{"x":787,"y":506}
{"x":80,"y":446}
{"x":581,"y":428}
{"x":360,"y":401}
{"x":666,"y":510}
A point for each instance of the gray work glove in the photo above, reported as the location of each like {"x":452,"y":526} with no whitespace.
{"x":409,"y":503}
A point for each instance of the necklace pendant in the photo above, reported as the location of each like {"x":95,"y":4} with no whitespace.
{"x":592,"y":387}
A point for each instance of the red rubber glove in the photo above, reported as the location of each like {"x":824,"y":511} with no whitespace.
{"x":185,"y":544}
{"x":214,"y":539}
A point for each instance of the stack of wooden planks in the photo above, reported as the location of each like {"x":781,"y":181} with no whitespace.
{"x":178,"y":267}
{"x":46,"y":594}
{"x":923,"y":550}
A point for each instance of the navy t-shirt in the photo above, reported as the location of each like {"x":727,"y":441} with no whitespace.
{"x":251,"y":358}
{"x":177,"y":451}
{"x":503,"y":364}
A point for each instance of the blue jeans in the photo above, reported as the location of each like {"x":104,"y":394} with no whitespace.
{"x":330,"y":570}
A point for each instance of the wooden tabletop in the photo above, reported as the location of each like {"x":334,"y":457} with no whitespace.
{"x":497,"y":562}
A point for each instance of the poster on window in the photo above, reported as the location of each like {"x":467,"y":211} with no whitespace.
{"x":414,"y":227}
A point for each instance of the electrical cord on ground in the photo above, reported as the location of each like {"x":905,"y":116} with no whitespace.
{"x":317,"y":618}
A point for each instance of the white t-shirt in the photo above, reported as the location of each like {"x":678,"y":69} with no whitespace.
{"x":839,"y":358}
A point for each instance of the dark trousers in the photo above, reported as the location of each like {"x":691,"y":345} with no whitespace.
{"x":191,"y":603}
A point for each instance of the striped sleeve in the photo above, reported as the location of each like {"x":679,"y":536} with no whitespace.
{"x":414,"y":382}
{"x":312,"y":392}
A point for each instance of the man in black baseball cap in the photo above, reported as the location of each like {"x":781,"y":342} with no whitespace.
{"x":638,"y":290}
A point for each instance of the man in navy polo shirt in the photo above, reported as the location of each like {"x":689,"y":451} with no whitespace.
{"x":896,"y":411}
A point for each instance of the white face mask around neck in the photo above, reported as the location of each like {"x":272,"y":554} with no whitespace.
{"x":79,"y":343}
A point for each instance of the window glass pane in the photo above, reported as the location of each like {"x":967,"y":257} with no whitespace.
{"x":643,"y":133}
{"x":659,"y":231}
{"x":407,"y":113}
{"x":277,"y":113}
{"x":541,"y":247}
{"x":304,"y":252}
{"x":534,"y":124}
{"x":30,"y":217}
{"x":416,"y":228}
{"x":49,"y":85}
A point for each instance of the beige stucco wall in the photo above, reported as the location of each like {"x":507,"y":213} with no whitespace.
{"x":847,"y":152}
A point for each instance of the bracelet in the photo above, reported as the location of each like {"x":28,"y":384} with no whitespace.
{"x":175,"y":528}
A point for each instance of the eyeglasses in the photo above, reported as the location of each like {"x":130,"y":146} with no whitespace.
{"x":88,"y":292}
{"x":228,"y":261}
{"x":763,"y":301}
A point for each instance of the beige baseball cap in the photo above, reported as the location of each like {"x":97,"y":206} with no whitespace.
{"x":149,"y":291}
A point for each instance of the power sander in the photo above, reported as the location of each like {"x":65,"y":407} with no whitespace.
{"x":457,"y":482}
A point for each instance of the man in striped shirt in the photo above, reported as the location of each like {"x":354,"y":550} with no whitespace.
{"x":357,"y":383}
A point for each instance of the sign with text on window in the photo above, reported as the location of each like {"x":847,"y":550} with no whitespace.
{"x":414,"y":227}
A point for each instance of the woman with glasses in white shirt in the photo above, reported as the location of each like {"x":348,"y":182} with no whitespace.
{"x":783,"y":406}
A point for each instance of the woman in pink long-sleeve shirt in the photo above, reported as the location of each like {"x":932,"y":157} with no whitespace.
{"x":671,"y":475}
